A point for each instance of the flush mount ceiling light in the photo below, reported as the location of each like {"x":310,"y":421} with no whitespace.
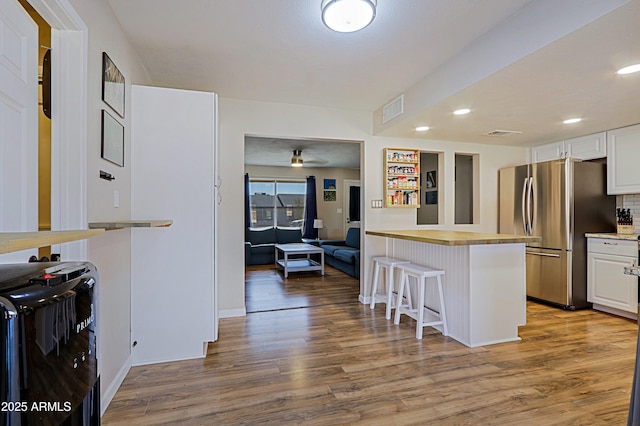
{"x":296,"y":160}
{"x":572,"y":120}
{"x":629,"y":70}
{"x":422,"y":128}
{"x":462,"y":111}
{"x":347,"y":16}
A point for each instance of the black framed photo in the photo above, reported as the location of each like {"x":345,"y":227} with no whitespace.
{"x":112,"y":139}
{"x":112,"y":85}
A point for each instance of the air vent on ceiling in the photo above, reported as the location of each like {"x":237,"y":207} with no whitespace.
{"x":503,"y":133}
{"x":393,"y":109}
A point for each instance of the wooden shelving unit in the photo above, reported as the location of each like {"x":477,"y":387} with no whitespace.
{"x":401,"y":178}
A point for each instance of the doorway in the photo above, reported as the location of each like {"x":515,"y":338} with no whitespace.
{"x":352,"y":204}
{"x":336,"y":168}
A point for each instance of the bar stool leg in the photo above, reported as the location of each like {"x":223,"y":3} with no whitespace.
{"x":420,"y":306}
{"x":443,"y":314}
{"x":374,"y":289}
{"x":389,"y":291}
{"x":403,"y":278}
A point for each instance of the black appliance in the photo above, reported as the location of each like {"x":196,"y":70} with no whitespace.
{"x":48,"y":344}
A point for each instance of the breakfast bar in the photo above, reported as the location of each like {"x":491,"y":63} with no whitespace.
{"x":484,"y":283}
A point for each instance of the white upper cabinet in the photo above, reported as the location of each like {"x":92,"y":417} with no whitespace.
{"x":550,"y":151}
{"x":584,"y":147}
{"x":587,"y":147}
{"x":623,"y":151}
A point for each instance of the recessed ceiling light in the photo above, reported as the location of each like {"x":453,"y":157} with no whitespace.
{"x":422,"y":128}
{"x":572,"y":120}
{"x":462,"y":111}
{"x":629,"y":70}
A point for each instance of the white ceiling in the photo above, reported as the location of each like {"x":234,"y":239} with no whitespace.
{"x":519,"y":64}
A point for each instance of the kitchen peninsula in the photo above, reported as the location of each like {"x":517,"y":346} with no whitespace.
{"x":484,"y":283}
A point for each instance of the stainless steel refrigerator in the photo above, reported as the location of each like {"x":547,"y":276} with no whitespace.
{"x":559,"y":201}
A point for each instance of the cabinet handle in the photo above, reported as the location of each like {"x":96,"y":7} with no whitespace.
{"x":610,"y":244}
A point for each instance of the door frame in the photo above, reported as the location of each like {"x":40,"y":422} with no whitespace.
{"x":69,"y":39}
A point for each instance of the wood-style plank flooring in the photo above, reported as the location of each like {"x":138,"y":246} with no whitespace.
{"x":342,"y":363}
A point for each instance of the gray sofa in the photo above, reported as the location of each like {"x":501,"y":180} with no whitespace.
{"x":259,"y":243}
{"x":344,"y":255}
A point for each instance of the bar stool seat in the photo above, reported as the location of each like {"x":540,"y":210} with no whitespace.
{"x":422,"y":274}
{"x":389,"y":263}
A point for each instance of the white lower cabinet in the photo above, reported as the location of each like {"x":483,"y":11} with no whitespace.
{"x":608,"y":288}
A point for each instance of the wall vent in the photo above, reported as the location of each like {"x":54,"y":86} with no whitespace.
{"x":501,"y":133}
{"x":393,"y":109}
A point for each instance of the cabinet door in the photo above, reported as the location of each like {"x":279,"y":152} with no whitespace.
{"x":623,"y":151}
{"x":587,"y":147}
{"x":550,"y":151}
{"x":607,"y":285}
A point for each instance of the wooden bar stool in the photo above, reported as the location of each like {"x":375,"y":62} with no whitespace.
{"x":421,"y":275}
{"x":389,"y":263}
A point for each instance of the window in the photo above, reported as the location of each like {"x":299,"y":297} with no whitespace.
{"x":277,"y":202}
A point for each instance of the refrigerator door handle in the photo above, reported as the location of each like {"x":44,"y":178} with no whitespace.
{"x":542,"y":254}
{"x":525,"y":213}
{"x":532,"y":206}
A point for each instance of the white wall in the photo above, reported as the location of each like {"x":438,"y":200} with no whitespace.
{"x":111,"y":253}
{"x":238,"y":118}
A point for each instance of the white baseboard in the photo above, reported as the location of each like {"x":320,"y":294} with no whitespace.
{"x":230,"y":313}
{"x":365,"y":300}
{"x":109,"y":392}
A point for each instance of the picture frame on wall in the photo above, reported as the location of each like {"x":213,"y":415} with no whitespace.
{"x":329,"y":195}
{"x":330,"y":184}
{"x":113,"y":85}
{"x":112,"y":139}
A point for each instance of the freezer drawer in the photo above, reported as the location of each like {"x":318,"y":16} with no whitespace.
{"x":548,"y":275}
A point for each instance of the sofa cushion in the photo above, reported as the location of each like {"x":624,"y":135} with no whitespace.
{"x":353,"y":238}
{"x":261,"y":236}
{"x":346,"y":255}
{"x":263,"y":249}
{"x":287,"y":236}
{"x":330,"y":249}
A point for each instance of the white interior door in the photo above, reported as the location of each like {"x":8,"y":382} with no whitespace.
{"x":351,"y":196}
{"x":18,"y":124}
{"x":173,"y":312}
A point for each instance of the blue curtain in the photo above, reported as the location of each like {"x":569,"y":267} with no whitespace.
{"x":310,"y":210}
{"x":247,"y":202}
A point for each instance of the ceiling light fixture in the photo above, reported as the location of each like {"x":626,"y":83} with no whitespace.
{"x":572,"y":120}
{"x":462,"y":111}
{"x":422,"y":128}
{"x":629,"y":70}
{"x":296,"y":160}
{"x":347,"y":16}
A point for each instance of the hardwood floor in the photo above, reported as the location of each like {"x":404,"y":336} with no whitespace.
{"x":342,"y":363}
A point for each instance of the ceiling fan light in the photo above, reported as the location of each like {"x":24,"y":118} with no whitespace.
{"x":296,"y":160}
{"x":347,"y":16}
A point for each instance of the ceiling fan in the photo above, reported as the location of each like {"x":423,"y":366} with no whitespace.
{"x":298,"y":161}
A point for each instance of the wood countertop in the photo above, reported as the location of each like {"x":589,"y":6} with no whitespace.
{"x":454,"y":238}
{"x":613,"y":236}
{"x":122,"y":224}
{"x":17,"y":241}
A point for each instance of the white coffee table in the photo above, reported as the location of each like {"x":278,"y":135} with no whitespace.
{"x":297,"y":264}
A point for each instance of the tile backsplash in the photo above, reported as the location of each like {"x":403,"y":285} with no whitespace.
{"x":631,"y":202}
